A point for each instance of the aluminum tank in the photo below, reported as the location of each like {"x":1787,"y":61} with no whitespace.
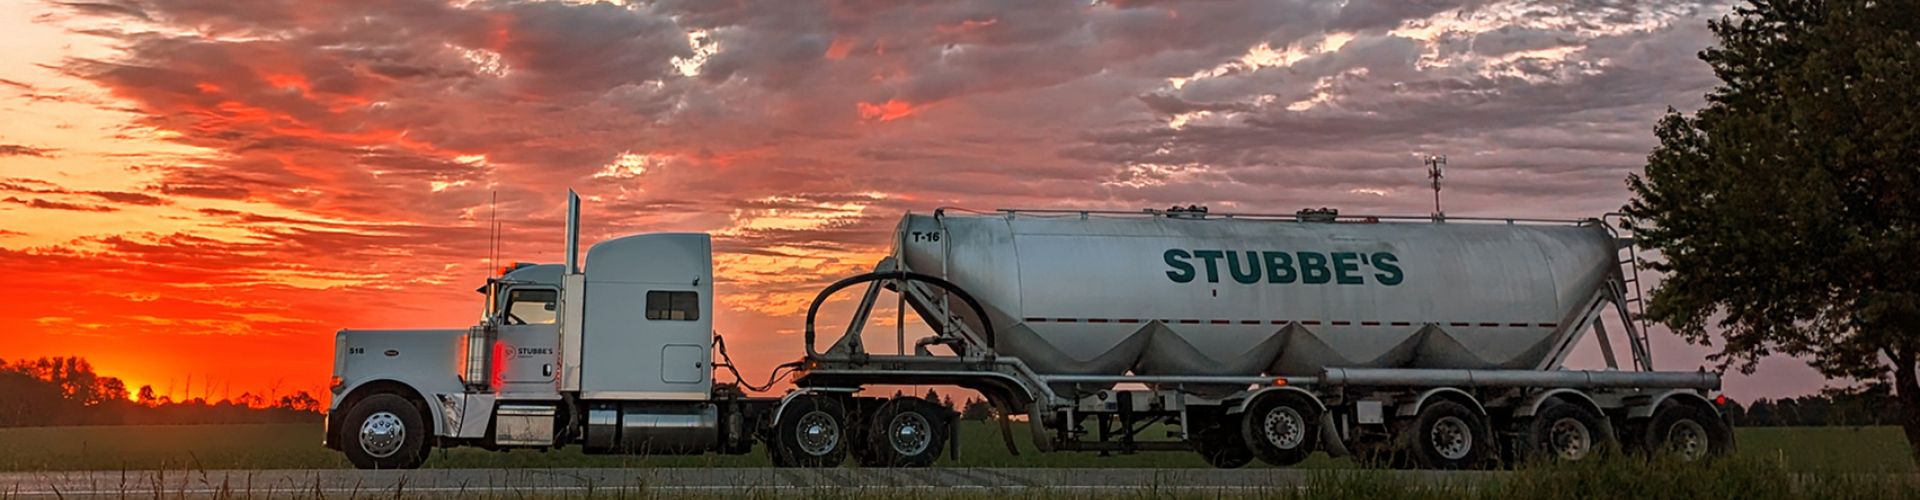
{"x":1179,"y":294}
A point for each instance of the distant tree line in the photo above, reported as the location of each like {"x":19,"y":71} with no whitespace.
{"x":66,"y":391}
{"x":1859,"y":406}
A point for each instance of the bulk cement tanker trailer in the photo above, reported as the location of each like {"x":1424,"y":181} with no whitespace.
{"x":1404,"y":341}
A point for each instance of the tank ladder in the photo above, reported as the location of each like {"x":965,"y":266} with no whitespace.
{"x":1628,"y":295}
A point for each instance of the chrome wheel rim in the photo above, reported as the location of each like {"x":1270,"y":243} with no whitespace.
{"x":818,"y":435}
{"x":1688,"y":440}
{"x":1284,"y":428}
{"x":909,"y":433}
{"x":1452,"y":438}
{"x":382,"y":434}
{"x":1571,"y":440}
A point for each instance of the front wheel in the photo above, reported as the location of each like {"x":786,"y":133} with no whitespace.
{"x":385,"y":431}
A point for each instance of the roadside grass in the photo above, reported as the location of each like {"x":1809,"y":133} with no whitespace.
{"x":297,"y":446}
{"x":1630,"y":478}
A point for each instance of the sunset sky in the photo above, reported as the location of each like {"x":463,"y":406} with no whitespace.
{"x":208,"y":189}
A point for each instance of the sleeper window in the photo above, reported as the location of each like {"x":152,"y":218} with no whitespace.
{"x":673,"y":306}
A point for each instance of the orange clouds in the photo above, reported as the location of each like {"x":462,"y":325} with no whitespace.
{"x":839,"y":48}
{"x":891,"y":110}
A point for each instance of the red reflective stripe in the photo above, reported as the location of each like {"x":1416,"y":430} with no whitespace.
{"x":1459,"y":324}
{"x":1342,"y":323}
{"x":1369,"y":323}
{"x":1402,"y":323}
{"x":1190,"y":322}
{"x":1489,"y":324}
{"x":1096,"y":320}
{"x":1310,"y":322}
{"x":1549,"y":325}
{"x":1278,"y":322}
{"x":1220,"y":322}
{"x":1517,"y":325}
{"x":1128,"y":320}
{"x":1249,"y":322}
{"x":1036,"y":320}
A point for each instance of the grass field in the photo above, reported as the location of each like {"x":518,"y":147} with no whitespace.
{"x":288,"y":446}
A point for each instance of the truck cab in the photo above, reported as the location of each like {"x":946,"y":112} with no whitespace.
{"x":614,"y":355}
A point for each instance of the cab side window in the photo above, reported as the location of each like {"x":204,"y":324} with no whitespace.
{"x":673,"y":306}
{"x":532,"y":306}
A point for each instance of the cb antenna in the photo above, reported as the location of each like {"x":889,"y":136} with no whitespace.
{"x":1435,"y":171}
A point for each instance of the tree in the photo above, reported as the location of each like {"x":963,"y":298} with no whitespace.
{"x":976,"y":409}
{"x":1787,"y":211}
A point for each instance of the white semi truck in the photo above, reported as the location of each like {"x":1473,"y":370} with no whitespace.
{"x":1408,"y":341}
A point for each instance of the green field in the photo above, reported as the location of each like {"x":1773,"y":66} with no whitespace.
{"x":287,"y":446}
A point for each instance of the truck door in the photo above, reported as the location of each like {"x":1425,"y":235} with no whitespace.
{"x":525,"y":352}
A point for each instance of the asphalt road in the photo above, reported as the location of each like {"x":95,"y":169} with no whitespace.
{"x":454,"y":482}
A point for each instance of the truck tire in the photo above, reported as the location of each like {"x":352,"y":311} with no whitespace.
{"x":1220,"y":445}
{"x":812,"y":432}
{"x":1281,"y":429}
{"x":906,"y":432}
{"x":384,"y":431}
{"x":1448,"y":435}
{"x":1689,"y":433}
{"x":1565,"y":432}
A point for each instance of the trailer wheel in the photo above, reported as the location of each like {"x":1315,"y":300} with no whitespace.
{"x":1448,"y":435}
{"x":1566,"y":432}
{"x":906,"y":432}
{"x":385,"y":431}
{"x":812,"y":432}
{"x":1281,"y":429}
{"x":1220,"y":445}
{"x":1688,"y":432}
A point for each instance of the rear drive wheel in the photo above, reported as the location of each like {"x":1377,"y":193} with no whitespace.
{"x":1220,"y":445}
{"x":1448,"y":435}
{"x":812,"y":432}
{"x":1281,"y":429}
{"x":907,"y":432}
{"x":1688,"y":432}
{"x":1566,"y":432}
{"x":385,"y":431}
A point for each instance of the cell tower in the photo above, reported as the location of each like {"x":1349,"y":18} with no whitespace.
{"x":1435,"y":166}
